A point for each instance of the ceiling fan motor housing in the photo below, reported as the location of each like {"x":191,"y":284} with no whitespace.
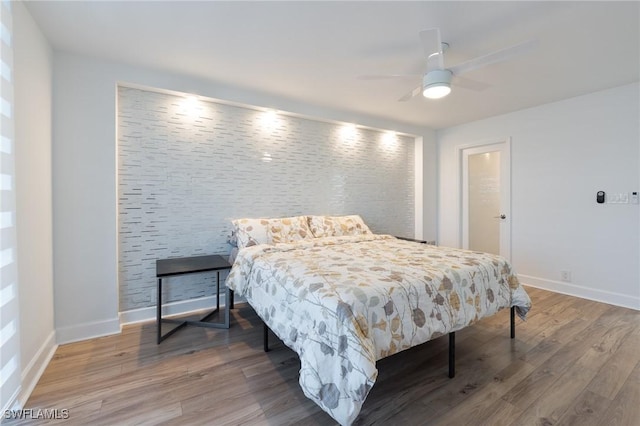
{"x":436,"y":78}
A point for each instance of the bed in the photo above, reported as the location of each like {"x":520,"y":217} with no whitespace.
{"x":342,"y":297}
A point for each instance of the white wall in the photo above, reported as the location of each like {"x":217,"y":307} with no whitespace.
{"x":430,"y":186}
{"x":84,"y":170}
{"x":562,"y":154}
{"x":33,"y":59}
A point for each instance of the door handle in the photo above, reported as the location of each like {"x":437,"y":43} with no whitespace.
{"x":502,"y":216}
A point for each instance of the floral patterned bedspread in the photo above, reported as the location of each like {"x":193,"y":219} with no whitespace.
{"x":342,"y":303}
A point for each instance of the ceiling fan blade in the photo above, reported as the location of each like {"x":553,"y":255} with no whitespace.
{"x":411,"y":94}
{"x":386,"y":76}
{"x":469,"y":84}
{"x":495,"y":57}
{"x":432,"y":46}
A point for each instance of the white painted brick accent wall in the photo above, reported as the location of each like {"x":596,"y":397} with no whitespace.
{"x":187,"y":168}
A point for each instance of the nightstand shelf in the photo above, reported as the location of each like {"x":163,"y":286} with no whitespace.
{"x":412,"y":240}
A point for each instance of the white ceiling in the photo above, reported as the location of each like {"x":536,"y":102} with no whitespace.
{"x":314,"y":51}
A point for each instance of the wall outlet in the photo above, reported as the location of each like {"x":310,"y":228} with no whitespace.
{"x":618,"y":198}
{"x":565,"y":276}
{"x":623,"y":198}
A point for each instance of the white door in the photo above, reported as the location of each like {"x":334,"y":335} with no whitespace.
{"x":486,"y":198}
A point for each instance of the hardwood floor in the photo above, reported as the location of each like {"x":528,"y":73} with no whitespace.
{"x":573,"y":362}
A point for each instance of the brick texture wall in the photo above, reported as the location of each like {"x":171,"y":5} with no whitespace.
{"x":186,"y":168}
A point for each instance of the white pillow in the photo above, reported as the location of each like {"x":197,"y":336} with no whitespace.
{"x":334,"y":226}
{"x":251,"y":232}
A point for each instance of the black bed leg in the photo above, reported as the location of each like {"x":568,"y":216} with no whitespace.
{"x":452,"y":355}
{"x":265,"y":337}
{"x":513,"y":322}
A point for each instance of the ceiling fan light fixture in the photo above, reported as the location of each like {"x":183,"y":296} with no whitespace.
{"x":436,"y":84}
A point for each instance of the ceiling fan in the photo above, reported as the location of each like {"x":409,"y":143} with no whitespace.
{"x":437,"y":80}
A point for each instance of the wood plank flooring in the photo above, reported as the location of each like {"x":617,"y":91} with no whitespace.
{"x":573,"y":362}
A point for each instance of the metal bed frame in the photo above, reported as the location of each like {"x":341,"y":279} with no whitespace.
{"x":452,"y":341}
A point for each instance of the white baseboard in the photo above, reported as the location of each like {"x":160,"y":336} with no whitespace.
{"x":86,"y":331}
{"x":33,"y":371}
{"x":618,"y":299}
{"x":114,"y":326}
{"x":12,"y":403}
{"x":173,"y":308}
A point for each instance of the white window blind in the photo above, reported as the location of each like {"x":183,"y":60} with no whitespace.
{"x":9,"y":308}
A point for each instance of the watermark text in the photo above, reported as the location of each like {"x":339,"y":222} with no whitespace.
{"x":37,"y":414}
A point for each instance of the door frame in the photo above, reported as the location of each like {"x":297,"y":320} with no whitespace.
{"x":505,"y":190}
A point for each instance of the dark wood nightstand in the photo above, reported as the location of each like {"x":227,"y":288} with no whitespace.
{"x":412,"y":240}
{"x":192,"y":265}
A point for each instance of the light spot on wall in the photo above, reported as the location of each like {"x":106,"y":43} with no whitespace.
{"x":348,"y":133}
{"x":390,"y":140}
{"x":190,"y":106}
{"x":269,"y":120}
